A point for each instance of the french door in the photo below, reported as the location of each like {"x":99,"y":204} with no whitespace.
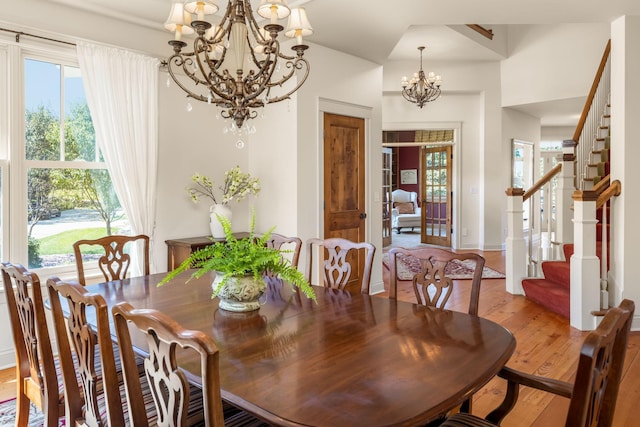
{"x":436,"y":195}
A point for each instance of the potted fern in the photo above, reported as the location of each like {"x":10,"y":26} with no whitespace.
{"x":240,"y":265}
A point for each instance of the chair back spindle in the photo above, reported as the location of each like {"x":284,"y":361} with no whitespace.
{"x":35,"y":363}
{"x":86,"y":353}
{"x":168,"y":384}
{"x":337,"y":258}
{"x":115,"y":260}
{"x":433,"y":285}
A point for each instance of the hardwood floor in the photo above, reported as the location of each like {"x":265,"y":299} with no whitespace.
{"x":7,"y":384}
{"x":546,"y":345}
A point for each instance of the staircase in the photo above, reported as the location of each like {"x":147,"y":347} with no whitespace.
{"x":571,"y":285}
{"x":553,"y":289}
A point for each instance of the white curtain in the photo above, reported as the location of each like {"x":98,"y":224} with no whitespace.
{"x":122,"y":94}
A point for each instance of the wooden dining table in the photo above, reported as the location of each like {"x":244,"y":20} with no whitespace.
{"x":347,"y":360}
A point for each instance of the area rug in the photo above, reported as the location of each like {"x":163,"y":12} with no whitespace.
{"x":8,"y":415}
{"x":459,"y":270}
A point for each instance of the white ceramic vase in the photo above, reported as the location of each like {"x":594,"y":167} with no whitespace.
{"x":239,"y":294}
{"x":217,"y":232}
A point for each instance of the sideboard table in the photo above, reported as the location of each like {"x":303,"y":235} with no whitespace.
{"x":179,"y":249}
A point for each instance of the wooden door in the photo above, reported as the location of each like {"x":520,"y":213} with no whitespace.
{"x":436,"y":195}
{"x":344,"y":183}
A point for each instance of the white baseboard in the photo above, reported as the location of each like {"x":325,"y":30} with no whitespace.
{"x":376,"y":288}
{"x":7,"y":359}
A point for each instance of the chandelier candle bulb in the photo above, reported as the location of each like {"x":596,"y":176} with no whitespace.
{"x":178,"y":21}
{"x":201,"y":8}
{"x":298,"y":25}
{"x":273,"y":10}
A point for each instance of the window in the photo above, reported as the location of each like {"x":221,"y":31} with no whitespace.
{"x":60,"y":189}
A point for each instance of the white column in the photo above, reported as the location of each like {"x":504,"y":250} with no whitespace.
{"x":566,"y":187}
{"x":516,"y":256}
{"x":585,"y":265}
{"x":624,"y":276}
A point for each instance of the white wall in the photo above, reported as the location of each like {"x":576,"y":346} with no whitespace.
{"x":624,"y":278}
{"x":522,"y":126}
{"x":548,"y":62}
{"x":466,"y":109}
{"x":66,"y":21}
{"x":556,"y":133}
{"x":518,"y":125}
{"x":191,"y":142}
{"x":7,"y":352}
{"x":471,"y":96}
{"x":273,"y":151}
{"x":351,"y":86}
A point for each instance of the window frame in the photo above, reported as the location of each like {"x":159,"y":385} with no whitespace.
{"x":13,"y":148}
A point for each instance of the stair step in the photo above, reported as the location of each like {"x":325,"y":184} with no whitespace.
{"x":558,"y":272}
{"x":568,"y":251}
{"x":548,"y":295}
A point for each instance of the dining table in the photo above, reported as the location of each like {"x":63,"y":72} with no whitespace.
{"x":346,"y":359}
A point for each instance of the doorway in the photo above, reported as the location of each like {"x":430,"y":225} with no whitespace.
{"x":429,"y":155}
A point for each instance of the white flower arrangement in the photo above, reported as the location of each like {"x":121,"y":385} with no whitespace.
{"x":237,"y":185}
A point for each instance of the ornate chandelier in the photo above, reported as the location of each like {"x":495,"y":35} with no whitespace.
{"x":237,"y":65}
{"x":421,"y":89}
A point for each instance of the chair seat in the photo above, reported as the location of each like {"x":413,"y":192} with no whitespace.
{"x":462,"y":419}
{"x":243,"y":419}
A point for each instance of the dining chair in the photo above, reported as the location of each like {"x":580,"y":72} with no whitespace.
{"x":594,"y":392}
{"x":433,"y":283}
{"x":38,"y":376}
{"x":114,"y":258}
{"x":277,"y":241}
{"x":90,"y":400}
{"x":173,"y":402}
{"x":338,"y":260}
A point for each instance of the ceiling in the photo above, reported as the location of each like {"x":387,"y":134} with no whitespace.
{"x":382,"y":31}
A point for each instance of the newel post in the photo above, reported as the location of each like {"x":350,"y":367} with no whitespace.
{"x":516,"y":256}
{"x":566,"y":187}
{"x":585,"y":265}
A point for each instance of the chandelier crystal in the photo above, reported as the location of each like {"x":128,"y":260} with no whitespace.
{"x":236,"y":64}
{"x":421,"y":88}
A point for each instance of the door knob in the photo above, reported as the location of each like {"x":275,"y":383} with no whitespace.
{"x":363,"y":215}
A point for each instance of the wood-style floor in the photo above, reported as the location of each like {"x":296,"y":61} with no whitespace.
{"x":546,"y":345}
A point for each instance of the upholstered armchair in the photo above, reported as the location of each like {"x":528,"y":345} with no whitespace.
{"x":405,"y":212}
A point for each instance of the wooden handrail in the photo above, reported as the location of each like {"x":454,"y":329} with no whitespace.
{"x":592,"y":92}
{"x":488,"y":33}
{"x":542,"y":181}
{"x":602,"y":184}
{"x":613,"y":190}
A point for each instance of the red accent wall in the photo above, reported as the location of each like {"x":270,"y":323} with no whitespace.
{"x":409,"y":158}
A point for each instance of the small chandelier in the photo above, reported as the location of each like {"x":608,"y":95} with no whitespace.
{"x":421,"y":89}
{"x":236,"y":64}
